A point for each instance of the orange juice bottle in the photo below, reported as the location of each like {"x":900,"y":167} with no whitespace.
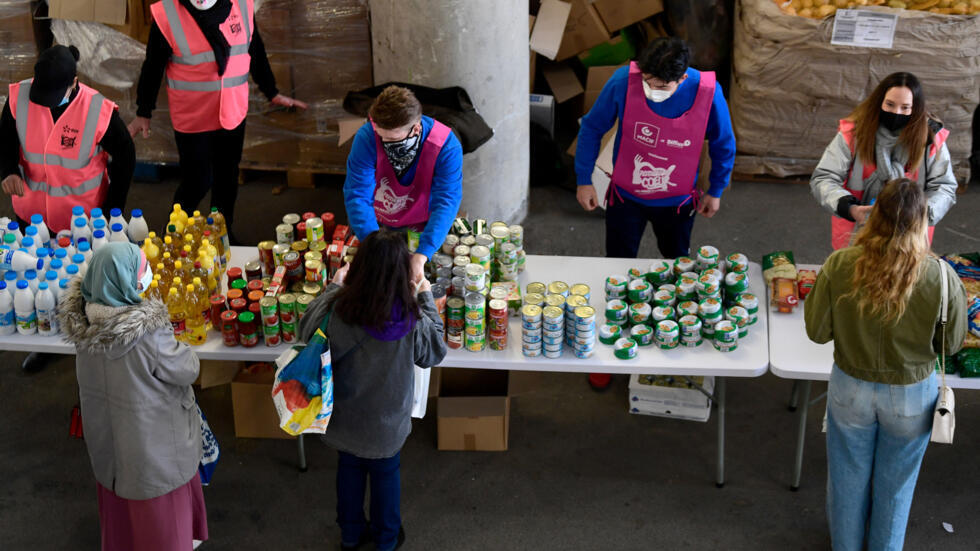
{"x":196,"y":331}
{"x":178,"y":315}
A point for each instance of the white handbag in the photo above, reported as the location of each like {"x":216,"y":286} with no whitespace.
{"x":944,"y":418}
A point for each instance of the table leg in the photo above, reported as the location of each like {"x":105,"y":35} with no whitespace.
{"x":301,"y":449}
{"x":794,"y":396}
{"x":720,"y":400}
{"x":801,"y":434}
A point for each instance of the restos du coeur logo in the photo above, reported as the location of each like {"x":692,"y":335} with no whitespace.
{"x":679,"y":144}
{"x":646,"y":134}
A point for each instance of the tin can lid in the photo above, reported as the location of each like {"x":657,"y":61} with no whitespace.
{"x":287,"y":298}
{"x":268,"y":302}
{"x":531,"y":310}
{"x":585,"y":311}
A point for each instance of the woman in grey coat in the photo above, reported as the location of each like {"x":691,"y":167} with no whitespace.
{"x":142,"y":426}
{"x":381,"y":325}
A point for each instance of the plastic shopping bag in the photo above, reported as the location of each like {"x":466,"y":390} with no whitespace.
{"x":209,"y":460}
{"x":303,"y":388}
{"x":421,"y":397}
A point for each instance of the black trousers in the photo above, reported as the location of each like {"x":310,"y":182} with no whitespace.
{"x":209,"y":161}
{"x":626,"y":222}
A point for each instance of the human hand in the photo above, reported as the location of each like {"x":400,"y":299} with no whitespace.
{"x":418,"y":267}
{"x":13,"y":185}
{"x":140,"y":125}
{"x":709,"y":206}
{"x":423,"y":286}
{"x":859,"y":213}
{"x":286,"y":101}
{"x":340,"y":275}
{"x":587,"y":197}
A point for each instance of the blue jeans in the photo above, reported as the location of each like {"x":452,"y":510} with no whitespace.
{"x":876,"y":437}
{"x":352,"y":475}
{"x":626,"y":222}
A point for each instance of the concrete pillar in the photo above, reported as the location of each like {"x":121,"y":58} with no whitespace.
{"x":483,"y":47}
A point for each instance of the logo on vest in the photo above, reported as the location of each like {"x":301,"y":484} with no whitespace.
{"x":234,"y":25}
{"x":646,"y":133}
{"x":68,"y":141}
{"x":388,"y":202}
{"x":679,"y":144}
{"x":650,"y":178}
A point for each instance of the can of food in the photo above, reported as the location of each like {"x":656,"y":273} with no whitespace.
{"x":624,"y":349}
{"x":228,"y":326}
{"x":555,"y":300}
{"x":531,"y":313}
{"x":558,"y":288}
{"x":314,"y":271}
{"x":302,"y":303}
{"x":253,"y":307}
{"x":287,"y":308}
{"x":736,"y":283}
{"x":537,"y":287}
{"x":500,"y":235}
{"x":687,"y":308}
{"x":617,"y":312}
{"x":532,"y":336}
{"x":271,"y":335}
{"x":475,"y":342}
{"x":659,"y":273}
{"x":497,"y":341}
{"x":609,"y":334}
{"x":217,"y":307}
{"x":300,"y":246}
{"x":507,"y":255}
{"x":553,"y":316}
{"x":486,"y":240}
{"x":481,"y":255}
{"x":269,"y":308}
{"x":449,"y":245}
{"x":291,"y":219}
{"x":668,"y":335}
{"x":725,"y":336}
{"x":580,"y":289}
{"x":710,"y":311}
{"x":639,"y":290}
{"x":661,"y":313}
{"x":642,"y":334}
{"x":266,"y":259}
{"x":690,"y":327}
{"x":461,"y":250}
{"x":531,"y":351}
{"x":288,"y":331}
{"x":248,"y":330}
{"x":738,"y":263}
{"x":751,"y":304}
{"x":461,"y":261}
{"x":664,"y":297}
{"x":468,"y":240}
{"x":708,"y":286}
{"x":534,"y":298}
{"x":314,"y":230}
{"x":516,"y":234}
{"x":616,"y":287}
{"x":687,"y":288}
{"x":707,"y":257}
{"x":640,"y":312}
{"x":684,"y":264}
{"x":238,"y":305}
{"x":585,"y":315}
{"x":454,"y":340}
{"x":284,"y":234}
{"x":475,"y":302}
{"x":740,"y":317}
{"x":584,"y":353}
{"x":635,"y":273}
{"x":461,"y":226}
{"x":279,"y":251}
{"x":294,"y":265}
{"x":328,"y":223}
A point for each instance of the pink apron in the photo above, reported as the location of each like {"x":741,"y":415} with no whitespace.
{"x":399,"y":206}
{"x":658,"y":156}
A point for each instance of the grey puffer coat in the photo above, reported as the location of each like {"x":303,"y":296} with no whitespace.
{"x":142,"y":428}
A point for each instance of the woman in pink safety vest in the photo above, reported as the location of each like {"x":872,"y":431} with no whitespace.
{"x":207,"y":48}
{"x":62,"y":144}
{"x":889,"y":135}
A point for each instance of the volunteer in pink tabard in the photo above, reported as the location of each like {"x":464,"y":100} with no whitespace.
{"x":208,"y":49}
{"x":404,"y":171}
{"x":666,"y":111}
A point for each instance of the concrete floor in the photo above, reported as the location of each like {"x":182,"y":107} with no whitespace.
{"x":581,"y":473}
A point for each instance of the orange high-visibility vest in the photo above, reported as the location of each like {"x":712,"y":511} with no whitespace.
{"x":200,"y":100}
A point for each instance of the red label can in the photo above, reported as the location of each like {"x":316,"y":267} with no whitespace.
{"x":307,"y":215}
{"x":248,"y":329}
{"x":229,"y":327}
{"x":217,"y":307}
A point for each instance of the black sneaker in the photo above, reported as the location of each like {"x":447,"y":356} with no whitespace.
{"x":36,"y":361}
{"x":365,"y":539}
{"x":401,"y":537}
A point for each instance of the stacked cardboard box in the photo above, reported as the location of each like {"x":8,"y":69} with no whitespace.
{"x":473,"y":407}
{"x":667,"y":396}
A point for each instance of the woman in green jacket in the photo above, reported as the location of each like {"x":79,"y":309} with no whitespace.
{"x":879,"y":302}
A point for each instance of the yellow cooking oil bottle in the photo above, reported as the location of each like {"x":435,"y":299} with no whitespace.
{"x":197,"y":332}
{"x":178,"y":316}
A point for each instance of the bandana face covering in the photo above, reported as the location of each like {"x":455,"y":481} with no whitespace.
{"x":401,"y":153}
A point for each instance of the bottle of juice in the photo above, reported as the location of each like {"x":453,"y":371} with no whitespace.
{"x":151,"y":251}
{"x":178,"y":315}
{"x":202,"y":296}
{"x":222,"y":231}
{"x":196,"y":332}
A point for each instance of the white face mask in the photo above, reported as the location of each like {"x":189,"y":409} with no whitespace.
{"x":656,"y":96}
{"x":144,"y":282}
{"x":204,"y":4}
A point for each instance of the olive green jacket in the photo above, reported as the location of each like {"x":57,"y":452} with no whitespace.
{"x":900,"y":353}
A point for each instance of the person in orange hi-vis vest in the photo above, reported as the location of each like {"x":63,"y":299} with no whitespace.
{"x":62,"y":144}
{"x":207,"y":48}
{"x":890,"y":135}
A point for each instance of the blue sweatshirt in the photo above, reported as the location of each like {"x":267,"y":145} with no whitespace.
{"x":610,"y":106}
{"x":447,"y":187}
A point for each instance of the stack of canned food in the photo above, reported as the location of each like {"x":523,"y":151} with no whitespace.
{"x":255,"y":308}
{"x":557,"y":315}
{"x":475,"y":322}
{"x":680,"y":303}
{"x":497,"y":247}
{"x":307,"y":251}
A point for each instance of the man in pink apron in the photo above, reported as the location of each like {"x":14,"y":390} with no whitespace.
{"x":404,"y":171}
{"x":666,"y":110}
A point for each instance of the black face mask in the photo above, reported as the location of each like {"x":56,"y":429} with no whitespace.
{"x":893,"y":121}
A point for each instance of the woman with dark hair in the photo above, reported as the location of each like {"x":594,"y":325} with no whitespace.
{"x":889,"y":135}
{"x":382,"y":323}
{"x":879,"y":301}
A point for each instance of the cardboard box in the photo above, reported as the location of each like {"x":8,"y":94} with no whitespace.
{"x":583,"y":30}
{"x":617,"y":14}
{"x":111,"y":12}
{"x":217,"y":373}
{"x":594,"y":82}
{"x":473,"y":409}
{"x":543,"y":112}
{"x":667,"y":396}
{"x":549,"y":27}
{"x":562,"y":81}
{"x":251,"y":400}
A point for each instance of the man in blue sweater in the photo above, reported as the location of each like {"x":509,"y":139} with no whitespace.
{"x":404,"y":171}
{"x":666,"y":111}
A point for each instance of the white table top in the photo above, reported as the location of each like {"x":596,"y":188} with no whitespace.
{"x":751,"y":359}
{"x":792,"y":355}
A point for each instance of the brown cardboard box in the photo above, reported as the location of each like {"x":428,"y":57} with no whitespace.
{"x":583,"y":30}
{"x":251,"y":400}
{"x":562,"y":81}
{"x":549,"y":26}
{"x":617,"y":14}
{"x":473,"y":409}
{"x":217,"y":373}
{"x":596,"y":79}
{"x":112,"y":12}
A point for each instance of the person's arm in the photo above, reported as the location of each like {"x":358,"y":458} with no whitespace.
{"x":122,"y":162}
{"x":176,"y":363}
{"x":721,"y":144}
{"x":315,"y":312}
{"x":827,"y":180}
{"x":9,"y":143}
{"x":596,"y":123}
{"x":430,"y":348}
{"x":260,"y":69}
{"x":446,"y":195}
{"x":359,"y":184}
{"x":940,"y":185}
{"x":817,"y":309}
{"x":158,"y":53}
{"x":956,"y":321}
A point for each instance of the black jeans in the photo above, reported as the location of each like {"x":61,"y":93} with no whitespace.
{"x":626,"y":222}
{"x":209,"y":161}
